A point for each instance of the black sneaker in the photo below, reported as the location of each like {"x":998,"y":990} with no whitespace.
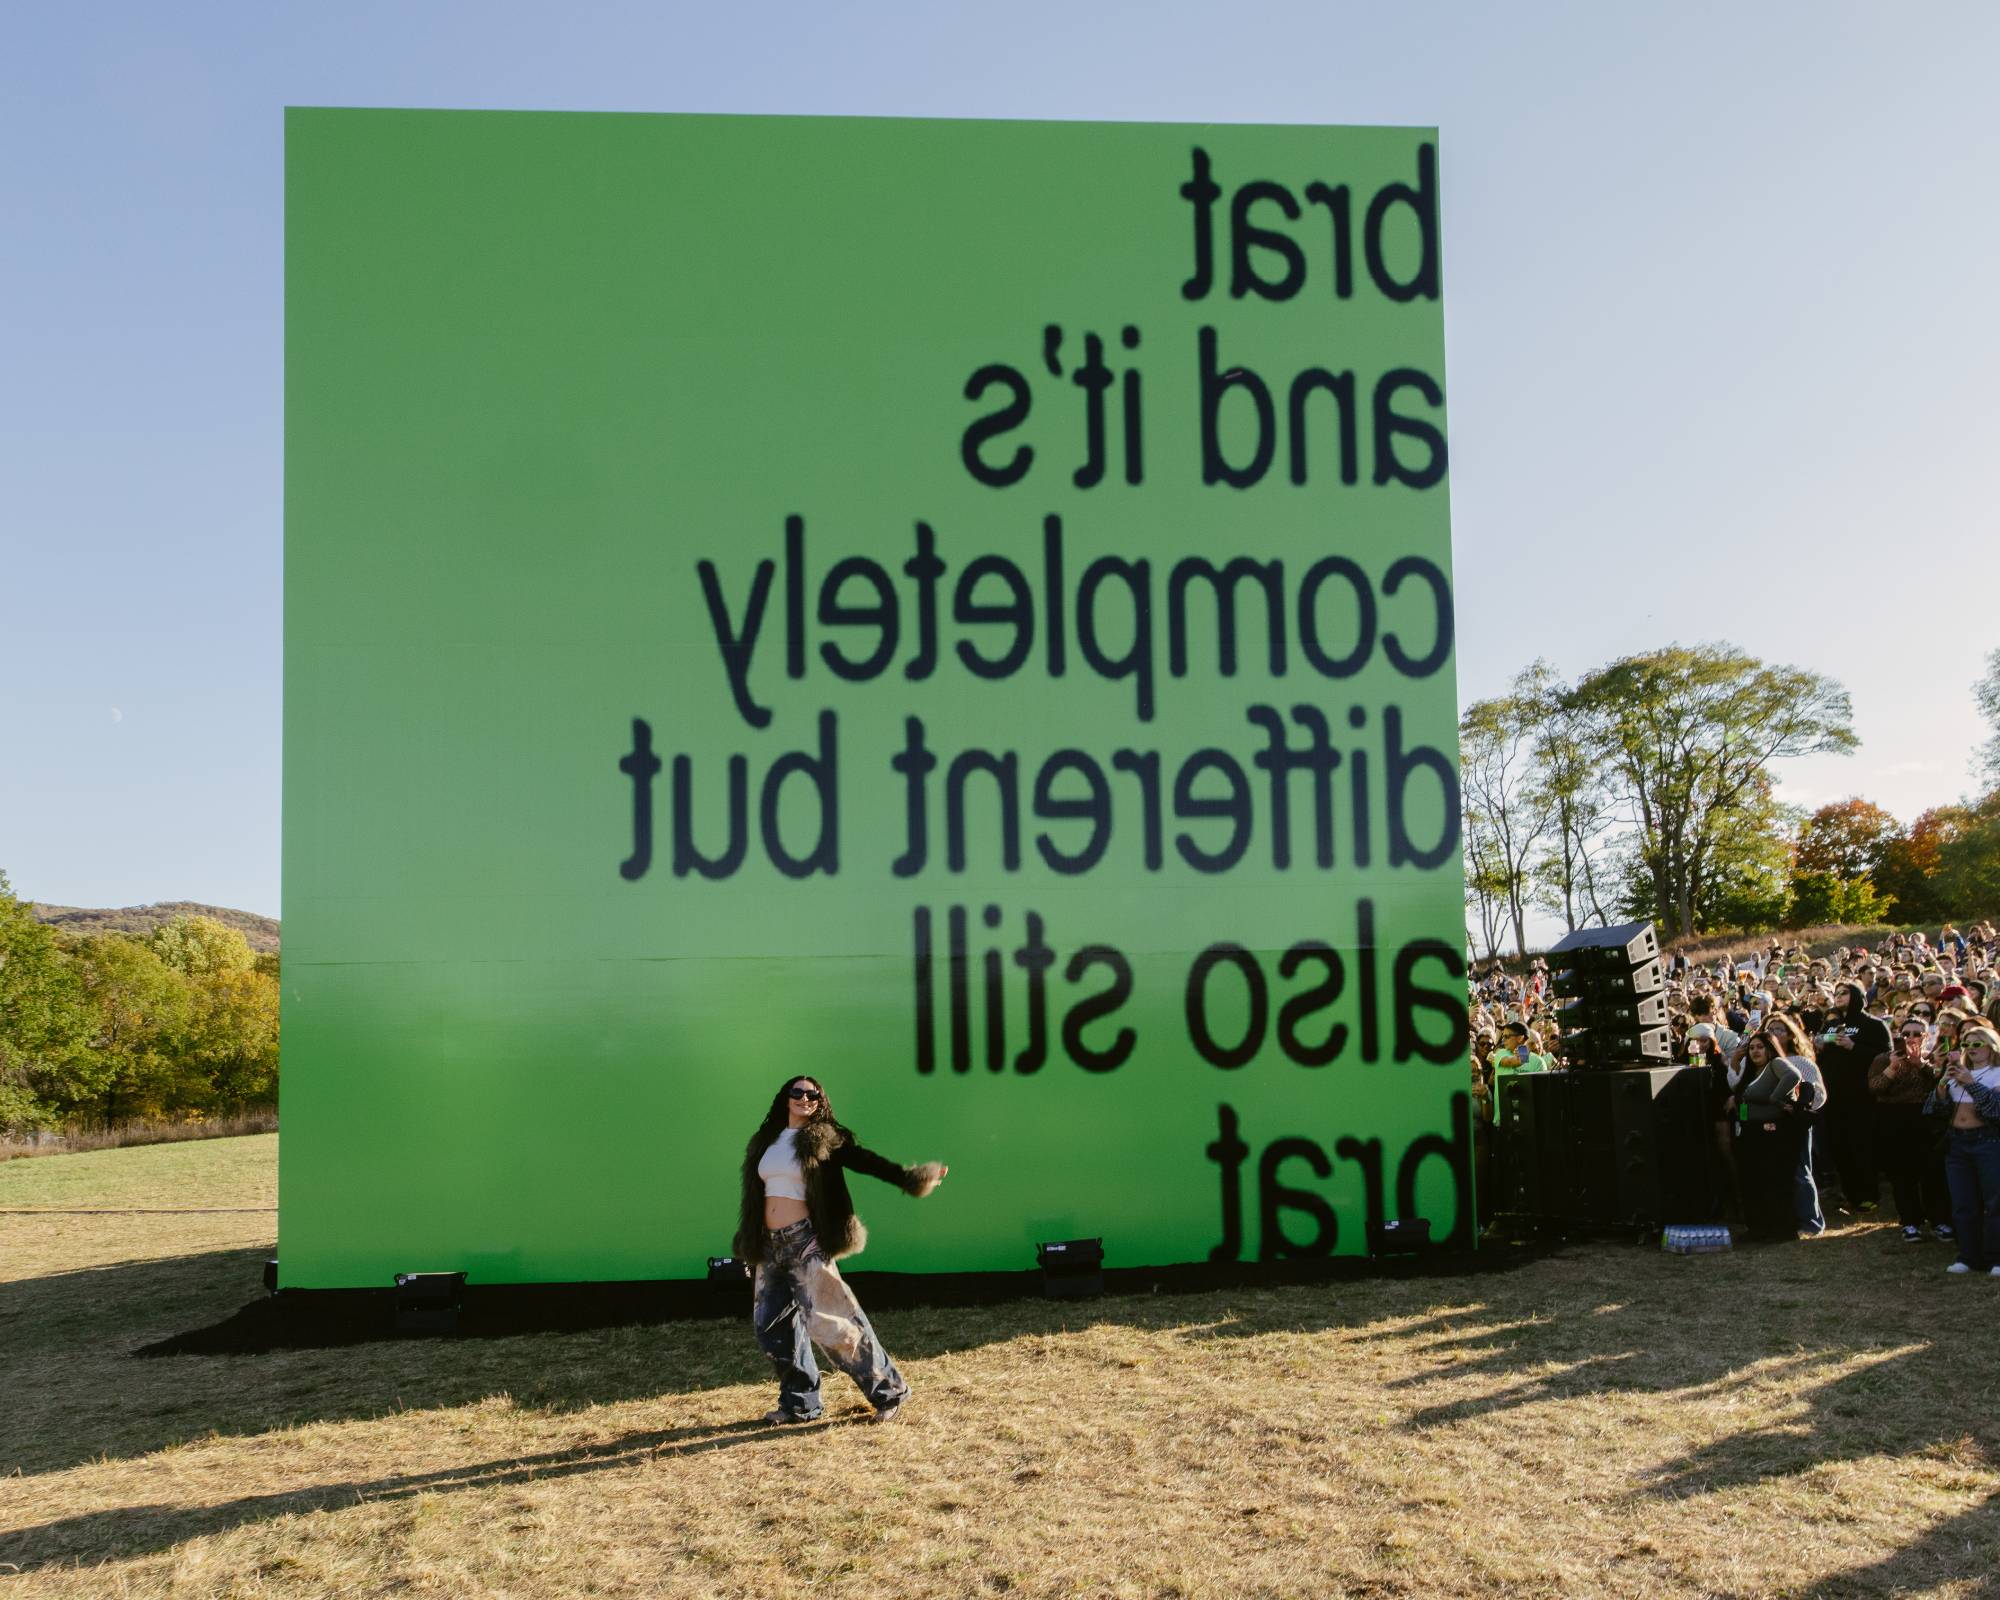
{"x":1912,"y":1234}
{"x":781,"y":1416}
{"x":1944,"y":1231}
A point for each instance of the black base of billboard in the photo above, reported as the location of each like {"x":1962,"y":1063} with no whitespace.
{"x":300,"y":1319}
{"x":1611,"y":1149}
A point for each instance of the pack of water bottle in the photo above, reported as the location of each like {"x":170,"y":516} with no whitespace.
{"x":1694,"y":1238}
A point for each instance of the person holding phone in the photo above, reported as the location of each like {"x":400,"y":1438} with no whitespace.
{"x":1968,"y":1094}
{"x":1517,"y":1052}
{"x":1900,"y":1081}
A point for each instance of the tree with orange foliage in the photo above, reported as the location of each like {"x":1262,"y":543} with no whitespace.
{"x":1847,"y":838}
{"x":1910,"y":861}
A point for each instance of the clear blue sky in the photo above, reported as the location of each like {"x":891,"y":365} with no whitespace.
{"x":1722,"y":336}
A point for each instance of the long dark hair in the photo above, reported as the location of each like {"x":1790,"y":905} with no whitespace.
{"x":779,"y":1116}
{"x":1802,"y":1042}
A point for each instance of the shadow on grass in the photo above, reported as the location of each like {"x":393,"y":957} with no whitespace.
{"x":1601,"y":1322}
{"x":146,"y":1530}
{"x":75,"y":1394}
{"x":1944,"y":1554}
{"x":329,"y":1319}
{"x":1900,"y":1331}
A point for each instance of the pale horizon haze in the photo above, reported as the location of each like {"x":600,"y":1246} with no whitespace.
{"x":1720,"y":336}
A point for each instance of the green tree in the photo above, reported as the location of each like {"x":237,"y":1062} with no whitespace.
{"x":1843,"y":848}
{"x":139,"y":1007}
{"x":1823,"y":898}
{"x":1749,"y":881}
{"x":193,"y":946}
{"x":1502,"y":801}
{"x":1485,"y":887}
{"x":43,"y":1019}
{"x":1689,"y":733}
{"x":225,"y":1044}
{"x":1911,"y":861}
{"x":1570,"y":782}
{"x":1968,"y":870}
{"x":1987,"y":693}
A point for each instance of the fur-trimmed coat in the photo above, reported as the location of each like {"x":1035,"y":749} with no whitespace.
{"x":827,"y":1153}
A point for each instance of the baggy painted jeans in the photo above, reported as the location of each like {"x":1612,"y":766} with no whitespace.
{"x":802,"y":1300}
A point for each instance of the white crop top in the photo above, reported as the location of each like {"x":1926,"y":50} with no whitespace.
{"x":1988,"y":1077}
{"x":779,"y":1168}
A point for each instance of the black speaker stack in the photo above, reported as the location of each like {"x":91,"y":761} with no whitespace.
{"x":1609,"y":997}
{"x":1621,"y":1139}
{"x":1620,"y":1148}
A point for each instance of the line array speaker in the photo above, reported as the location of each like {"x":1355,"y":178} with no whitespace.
{"x":1609,"y":983}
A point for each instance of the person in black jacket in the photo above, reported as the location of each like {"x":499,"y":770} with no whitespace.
{"x":1848,"y":1046}
{"x":797,"y":1219}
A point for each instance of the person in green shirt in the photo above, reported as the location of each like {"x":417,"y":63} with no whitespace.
{"x":1516,"y":1052}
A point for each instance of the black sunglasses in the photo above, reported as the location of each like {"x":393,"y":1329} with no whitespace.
{"x":796,"y":1093}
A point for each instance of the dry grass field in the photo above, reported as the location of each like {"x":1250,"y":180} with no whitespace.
{"x":1813,"y":1420}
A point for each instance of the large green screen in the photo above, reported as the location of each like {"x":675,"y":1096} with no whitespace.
{"x":958,"y":608}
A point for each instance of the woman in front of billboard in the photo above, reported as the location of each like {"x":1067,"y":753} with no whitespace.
{"x":797,"y":1221}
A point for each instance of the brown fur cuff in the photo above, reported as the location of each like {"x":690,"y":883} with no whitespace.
{"x":922,"y":1178}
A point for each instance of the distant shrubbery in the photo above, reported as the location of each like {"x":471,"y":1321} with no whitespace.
{"x":103,"y":1029}
{"x":25,"y":1142}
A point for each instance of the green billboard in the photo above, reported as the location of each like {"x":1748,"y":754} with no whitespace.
{"x":961,"y":609}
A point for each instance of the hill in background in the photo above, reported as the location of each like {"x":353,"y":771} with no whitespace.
{"x":262,"y":932}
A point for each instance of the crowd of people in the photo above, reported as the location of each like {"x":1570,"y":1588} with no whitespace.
{"x":1826,"y":1074}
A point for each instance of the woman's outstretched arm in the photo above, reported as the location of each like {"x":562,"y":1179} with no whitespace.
{"x":918,"y":1180}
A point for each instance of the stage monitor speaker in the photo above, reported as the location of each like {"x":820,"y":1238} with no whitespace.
{"x":428,"y":1302}
{"x":1399,"y":1236}
{"x":1071,"y":1268}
